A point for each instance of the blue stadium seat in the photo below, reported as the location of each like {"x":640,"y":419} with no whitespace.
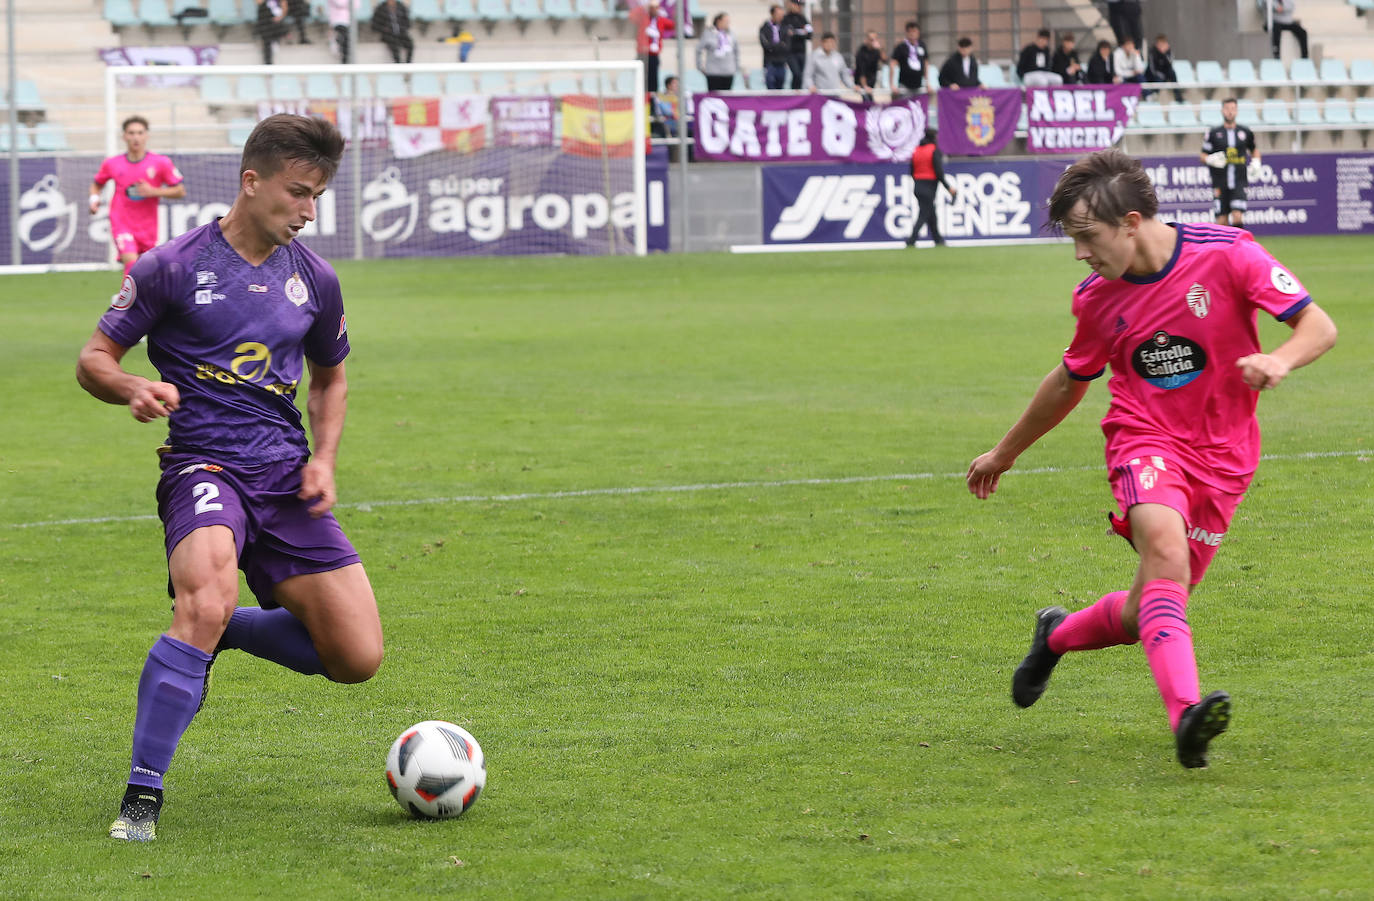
{"x":225,"y":12}
{"x":427,"y":11}
{"x":756,"y":82}
{"x":1275,"y":112}
{"x":459,"y":83}
{"x":1183,"y":71}
{"x":559,"y":9}
{"x":593,"y":9}
{"x":1309,"y":112}
{"x":1362,"y":70}
{"x":563,"y":85}
{"x":526,"y":10}
{"x":1150,"y":115}
{"x":1336,"y":111}
{"x":121,"y":13}
{"x":594,"y":83}
{"x":425,"y":84}
{"x":1240,"y":71}
{"x":26,"y":95}
{"x":1303,"y":70}
{"x":23,"y":143}
{"x":154,"y":14}
{"x":1246,"y":111}
{"x":251,"y":89}
{"x":1364,"y":111}
{"x":1182,"y":116}
{"x":693,"y":83}
{"x":392,"y":84}
{"x":239,"y":130}
{"x":992,"y":76}
{"x":360,"y":83}
{"x":321,"y":87}
{"x":287,"y":87}
{"x":459,"y":10}
{"x":1365,"y":5}
{"x":490,"y":83}
{"x":1272,"y":72}
{"x":49,"y":137}
{"x":1209,"y":72}
{"x":493,"y":11}
{"x":215,"y":90}
{"x":1333,"y":71}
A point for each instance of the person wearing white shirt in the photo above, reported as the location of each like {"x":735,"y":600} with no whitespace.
{"x":1128,"y":63}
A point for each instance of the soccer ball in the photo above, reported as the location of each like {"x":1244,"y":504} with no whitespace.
{"x":436,"y":770}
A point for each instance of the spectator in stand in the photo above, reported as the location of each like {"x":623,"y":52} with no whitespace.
{"x":825,"y":68}
{"x":1034,"y":66}
{"x":649,"y":42}
{"x":1066,"y":64}
{"x":799,"y":34}
{"x":776,"y":49}
{"x":391,"y":21}
{"x":868,"y":59}
{"x":1284,"y":21}
{"x":927,"y":174}
{"x":270,"y":27}
{"x":1124,"y":17}
{"x":665,"y":109}
{"x":718,"y":54}
{"x":340,"y":14}
{"x":909,"y":60}
{"x":1161,"y":67}
{"x":299,"y":11}
{"x":1101,"y":68}
{"x":961,"y":69}
{"x":1128,"y":64}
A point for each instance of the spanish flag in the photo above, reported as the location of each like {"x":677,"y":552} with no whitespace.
{"x":587,"y":120}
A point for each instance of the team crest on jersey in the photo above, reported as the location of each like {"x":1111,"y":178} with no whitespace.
{"x":1283,"y":281}
{"x":152,"y":171}
{"x":1149,"y":475}
{"x":125,"y":298}
{"x":295,"y":289}
{"x":1199,"y":301}
{"x":196,"y":467}
{"x":1169,"y":361}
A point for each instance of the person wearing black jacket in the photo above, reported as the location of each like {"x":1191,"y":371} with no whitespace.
{"x":909,"y":60}
{"x":868,"y":59}
{"x":1161,"y":65}
{"x":776,"y":49}
{"x":270,"y":26}
{"x":927,"y":174}
{"x":391,"y":21}
{"x":799,"y":41}
{"x":1101,"y":69}
{"x":1034,"y":65}
{"x":961,"y":69}
{"x":1066,"y":63}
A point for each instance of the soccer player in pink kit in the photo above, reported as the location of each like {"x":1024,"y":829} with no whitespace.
{"x":1172,"y":309}
{"x":140,"y":179}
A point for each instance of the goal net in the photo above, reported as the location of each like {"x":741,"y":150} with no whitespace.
{"x":441,"y":159}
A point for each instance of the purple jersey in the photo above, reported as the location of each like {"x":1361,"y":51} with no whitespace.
{"x":233,"y":339}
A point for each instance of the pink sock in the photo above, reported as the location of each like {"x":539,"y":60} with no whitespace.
{"x":1168,"y":644}
{"x":1098,"y":626}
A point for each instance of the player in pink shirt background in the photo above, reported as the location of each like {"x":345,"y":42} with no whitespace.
{"x":140,"y":178}
{"x":1172,"y":309}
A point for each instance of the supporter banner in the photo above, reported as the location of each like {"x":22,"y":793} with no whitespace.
{"x":1078,"y":118}
{"x":978,"y":121}
{"x":522,"y":121}
{"x":589,"y":123}
{"x":802,"y":127}
{"x":492,"y":202}
{"x":1295,"y":194}
{"x":455,"y":122}
{"x":171,"y":55}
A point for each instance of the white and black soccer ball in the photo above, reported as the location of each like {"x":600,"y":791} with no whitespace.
{"x":436,"y":770}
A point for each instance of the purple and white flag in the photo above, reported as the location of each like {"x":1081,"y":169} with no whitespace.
{"x":1078,"y":118}
{"x":522,"y":121}
{"x":978,"y":121}
{"x":799,"y":128}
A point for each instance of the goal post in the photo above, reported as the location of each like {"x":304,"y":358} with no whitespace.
{"x":441,"y":159}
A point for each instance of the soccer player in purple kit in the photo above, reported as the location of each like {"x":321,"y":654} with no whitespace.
{"x":1172,"y":309}
{"x":233,"y":311}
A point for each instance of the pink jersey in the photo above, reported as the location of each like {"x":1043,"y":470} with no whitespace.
{"x":136,"y":215}
{"x":1173,"y":339}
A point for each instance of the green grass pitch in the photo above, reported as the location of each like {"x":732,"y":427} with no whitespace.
{"x":780,"y":671}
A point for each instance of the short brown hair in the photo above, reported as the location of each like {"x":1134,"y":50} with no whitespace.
{"x":1110,"y":184}
{"x":134,"y":120}
{"x":285,"y":137}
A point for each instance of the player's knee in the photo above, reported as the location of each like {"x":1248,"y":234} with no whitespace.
{"x":356,"y":664}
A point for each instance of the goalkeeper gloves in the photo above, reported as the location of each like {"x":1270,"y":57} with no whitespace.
{"x":1217,"y":160}
{"x":1254,"y":170}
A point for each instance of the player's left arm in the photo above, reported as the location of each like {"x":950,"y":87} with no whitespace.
{"x":1313,"y":335}
{"x":326,"y":403}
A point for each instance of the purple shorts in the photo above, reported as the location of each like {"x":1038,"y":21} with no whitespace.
{"x":273,"y":530}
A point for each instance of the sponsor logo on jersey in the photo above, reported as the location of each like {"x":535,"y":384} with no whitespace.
{"x":1169,"y":361}
{"x":204,"y":295}
{"x":1284,"y":282}
{"x":257,"y":289}
{"x":343,"y":328}
{"x":197,"y":467}
{"x":127,"y":292}
{"x":1120,"y":325}
{"x":295,"y":290}
{"x":206,"y":278}
{"x":1199,"y":301}
{"x":1211,"y":539}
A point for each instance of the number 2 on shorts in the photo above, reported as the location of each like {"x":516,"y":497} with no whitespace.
{"x":205,"y":494}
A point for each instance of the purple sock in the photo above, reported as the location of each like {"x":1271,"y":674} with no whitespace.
{"x":274,"y":635}
{"x":168,"y":695}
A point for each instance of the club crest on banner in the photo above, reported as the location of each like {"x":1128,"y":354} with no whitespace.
{"x":980,"y":121}
{"x":894,"y":131}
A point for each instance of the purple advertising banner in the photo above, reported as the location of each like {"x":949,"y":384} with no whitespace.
{"x":522,"y":121}
{"x":493,"y":202}
{"x":802,"y":127}
{"x":169,"y":55}
{"x":978,"y":121}
{"x":1078,"y":118}
{"x":1295,"y":194}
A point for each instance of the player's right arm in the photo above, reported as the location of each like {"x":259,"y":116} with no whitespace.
{"x":1058,"y":394}
{"x":99,"y":372}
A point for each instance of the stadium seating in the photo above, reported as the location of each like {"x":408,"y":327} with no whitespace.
{"x":755,"y":81}
{"x":992,"y":76}
{"x":1209,"y":71}
{"x":26,"y":96}
{"x":321,"y":87}
{"x":1275,"y":112}
{"x":49,"y":137}
{"x":1362,"y":70}
{"x":121,"y":13}
{"x":1309,"y":112}
{"x":239,"y":130}
{"x":391,"y":85}
{"x":593,"y":9}
{"x":1336,"y":111}
{"x":1150,"y":115}
{"x":559,"y":9}
{"x":1183,"y":71}
{"x":459,"y":10}
{"x":1241,"y":71}
{"x":287,"y":87}
{"x":562,"y":85}
{"x":215,"y":90}
{"x":525,"y":10}
{"x":23,"y":142}
{"x":424,"y":12}
{"x":1272,"y":72}
{"x":693,"y":83}
{"x":425,"y":84}
{"x":459,"y":83}
{"x":493,"y":11}
{"x":1333,"y":71}
{"x":490,"y":83}
{"x":1364,"y":111}
{"x":251,"y":89}
{"x":1182,"y":116}
{"x":225,"y":12}
{"x":1303,"y":70}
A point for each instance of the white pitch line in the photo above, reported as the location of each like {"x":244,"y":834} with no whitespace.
{"x":368,"y":506}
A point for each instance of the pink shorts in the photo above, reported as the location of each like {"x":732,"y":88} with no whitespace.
{"x":127,"y":242}
{"x":1206,"y":511}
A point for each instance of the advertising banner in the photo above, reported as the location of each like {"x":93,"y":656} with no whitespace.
{"x":1078,"y":118}
{"x":978,"y":121}
{"x":522,"y":121}
{"x":492,"y":202}
{"x":802,"y":127}
{"x":1295,"y":194}
{"x":169,"y":55}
